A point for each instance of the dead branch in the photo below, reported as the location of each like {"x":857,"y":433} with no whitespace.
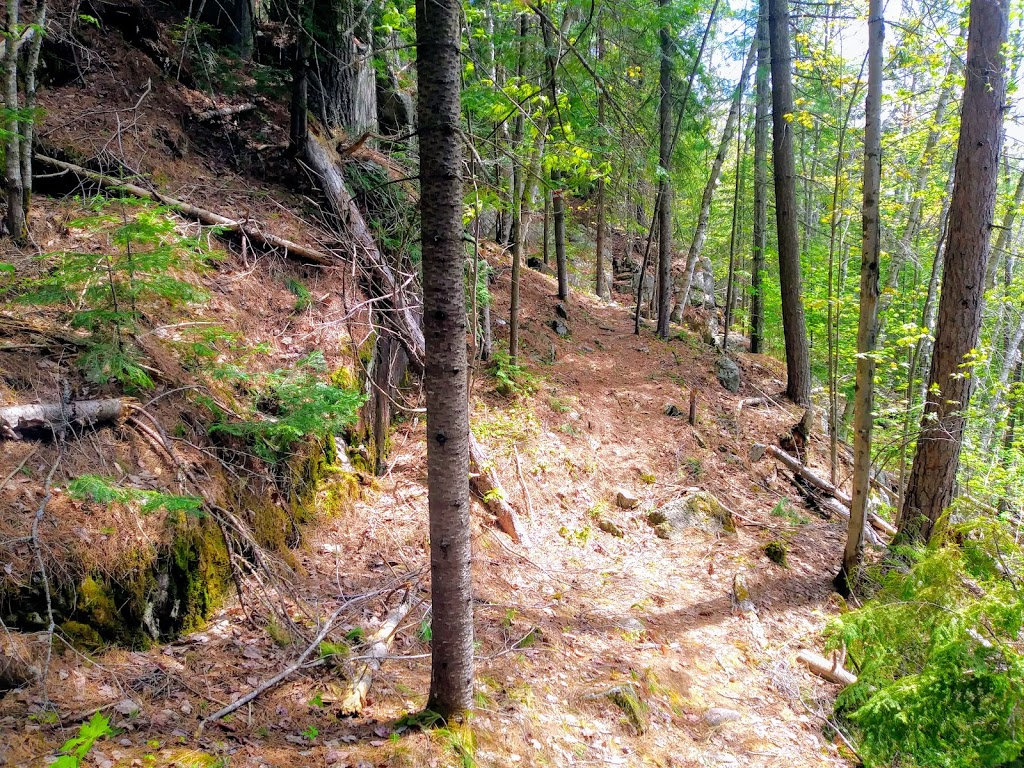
{"x":834,"y":505}
{"x":57,"y":417}
{"x":378,"y":645}
{"x":241,"y":227}
{"x":829,"y":670}
{"x":229,"y":111}
{"x":821,"y":484}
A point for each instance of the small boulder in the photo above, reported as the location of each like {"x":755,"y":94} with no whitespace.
{"x":560,"y":327}
{"x":609,"y":527}
{"x":626,"y":499}
{"x":699,"y":510}
{"x":561,"y":311}
{"x":728,"y":373}
{"x":672,"y":411}
{"x":717,"y":716}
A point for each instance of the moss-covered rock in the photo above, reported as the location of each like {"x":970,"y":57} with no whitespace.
{"x":700,"y":510}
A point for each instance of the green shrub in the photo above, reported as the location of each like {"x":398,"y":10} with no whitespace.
{"x":107,"y":293}
{"x":939,"y":655}
{"x":292,"y":404}
{"x":512,"y":379}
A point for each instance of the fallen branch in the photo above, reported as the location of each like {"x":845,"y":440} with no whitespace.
{"x":829,"y":670}
{"x":209,"y":218}
{"x":57,"y":417}
{"x":820,"y":483}
{"x":377,"y":649}
{"x":834,"y":505}
{"x":284,"y":673}
{"x":229,"y":111}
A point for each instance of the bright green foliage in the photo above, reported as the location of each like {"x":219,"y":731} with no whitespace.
{"x":292,"y":404}
{"x":938,"y":654}
{"x":108,"y":293}
{"x":104,"y":491}
{"x":512,"y":379}
{"x":75,"y":749}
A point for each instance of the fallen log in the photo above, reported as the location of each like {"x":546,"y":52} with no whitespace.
{"x":834,"y":505}
{"x":377,"y":647}
{"x":241,"y":227}
{"x":57,"y":417}
{"x":404,"y":318}
{"x":829,"y":670}
{"x":820,"y":483}
{"x":229,"y":111}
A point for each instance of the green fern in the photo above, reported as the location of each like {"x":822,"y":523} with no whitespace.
{"x":109,"y":293}
{"x":105,"y":491}
{"x":939,"y":656}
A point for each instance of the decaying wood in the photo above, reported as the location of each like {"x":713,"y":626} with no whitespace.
{"x":835,"y":506}
{"x":237,"y":226}
{"x":829,"y":670}
{"x":57,"y":417}
{"x":404,"y":316}
{"x":692,"y":416}
{"x":820,"y":483}
{"x":377,"y":647}
{"x":229,"y":111}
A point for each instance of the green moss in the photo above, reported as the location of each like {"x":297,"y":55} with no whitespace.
{"x":81,"y":636}
{"x":775,"y":551}
{"x":344,"y":378}
{"x":627,"y":698}
{"x":201,"y":569}
{"x":96,"y":605}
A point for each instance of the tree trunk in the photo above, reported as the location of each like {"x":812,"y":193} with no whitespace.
{"x":240,"y":26}
{"x":700,"y":233}
{"x":932,"y":479}
{"x":736,"y":195}
{"x":28,"y":126}
{"x":518,"y":186}
{"x":299,"y":125}
{"x":561,"y":264}
{"x":664,"y":184}
{"x":342,"y":78}
{"x":761,"y":120}
{"x":15,"y":190}
{"x":439,"y":67}
{"x":798,"y":365}
{"x":867,"y":327}
{"x":1000,"y":250}
{"x":600,"y":279}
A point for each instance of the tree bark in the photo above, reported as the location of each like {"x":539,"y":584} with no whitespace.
{"x":561,"y":261}
{"x":439,"y":67}
{"x":15,"y":189}
{"x":761,"y":120}
{"x":31,"y":82}
{"x":342,"y":77}
{"x":867,"y":327}
{"x":664,"y":183}
{"x":704,"y":216}
{"x":518,"y":186}
{"x":600,"y":278}
{"x":57,"y":417}
{"x":798,"y":365}
{"x":933,"y":476}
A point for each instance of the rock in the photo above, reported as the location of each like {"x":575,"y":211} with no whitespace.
{"x":699,"y":510}
{"x":756,"y":452}
{"x":717,"y":716}
{"x":126,"y":707}
{"x":537,"y":264}
{"x":702,"y":287}
{"x":632,"y":625}
{"x":728,"y":373}
{"x":672,"y":410}
{"x":609,"y":527}
{"x":775,"y":551}
{"x":561,"y":311}
{"x":741,"y":601}
{"x":626,"y":499}
{"x":559,"y":327}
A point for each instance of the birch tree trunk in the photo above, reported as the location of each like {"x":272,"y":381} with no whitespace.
{"x":15,"y":190}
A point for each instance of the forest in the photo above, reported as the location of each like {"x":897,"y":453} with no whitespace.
{"x":545,"y":382}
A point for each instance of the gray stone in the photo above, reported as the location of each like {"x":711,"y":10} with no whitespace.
{"x":626,"y":499}
{"x":561,"y":311}
{"x":699,"y":510}
{"x":717,"y":716}
{"x":728,"y":373}
{"x":560,"y":327}
{"x":672,"y":410}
